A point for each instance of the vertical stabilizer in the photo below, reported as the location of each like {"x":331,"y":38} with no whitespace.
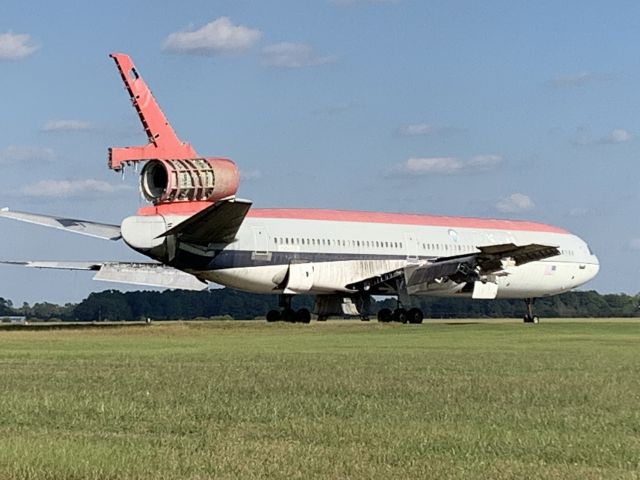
{"x":163,"y":144}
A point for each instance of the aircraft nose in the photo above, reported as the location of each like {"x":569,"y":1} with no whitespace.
{"x":592,"y":269}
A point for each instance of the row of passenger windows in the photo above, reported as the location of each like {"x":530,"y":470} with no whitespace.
{"x":329,"y":242}
{"x":335,"y":243}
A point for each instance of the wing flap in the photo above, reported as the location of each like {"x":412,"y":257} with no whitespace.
{"x":83,"y":227}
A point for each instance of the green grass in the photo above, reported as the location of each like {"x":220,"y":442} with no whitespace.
{"x":334,"y":400}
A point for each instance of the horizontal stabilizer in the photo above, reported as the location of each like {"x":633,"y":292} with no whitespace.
{"x":148,"y":274}
{"x":57,"y":265}
{"x":83,"y":227}
{"x":218,"y":223}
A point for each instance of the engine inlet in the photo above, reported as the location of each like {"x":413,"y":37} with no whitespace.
{"x":186,"y":180}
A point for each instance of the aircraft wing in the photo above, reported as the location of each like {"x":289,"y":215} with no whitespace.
{"x":148,"y":274}
{"x":473,"y":268}
{"x":490,"y":259}
{"x":83,"y":227}
{"x":218,"y":223}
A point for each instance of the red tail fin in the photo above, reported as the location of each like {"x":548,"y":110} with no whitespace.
{"x":163,"y":144}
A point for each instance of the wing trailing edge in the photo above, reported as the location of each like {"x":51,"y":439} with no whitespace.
{"x":146,"y":274}
{"x":83,"y":227}
{"x":478,"y":270}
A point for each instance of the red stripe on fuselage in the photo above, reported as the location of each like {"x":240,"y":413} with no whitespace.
{"x":189,"y":208}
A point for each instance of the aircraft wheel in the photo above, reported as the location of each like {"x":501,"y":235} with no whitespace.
{"x":415,"y":316}
{"x":533,"y":319}
{"x":289,"y":315}
{"x":384,"y":315}
{"x":400,"y":315}
{"x":273,"y":316}
{"x":303,"y":316}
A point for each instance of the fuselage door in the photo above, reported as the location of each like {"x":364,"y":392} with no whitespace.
{"x":260,"y":243}
{"x":412,"y":247}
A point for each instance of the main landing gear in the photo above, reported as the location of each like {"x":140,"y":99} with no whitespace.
{"x":413,"y":315}
{"x":529,"y":317}
{"x":288,"y":314}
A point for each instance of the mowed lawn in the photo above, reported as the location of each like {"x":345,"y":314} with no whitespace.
{"x":327,"y":400}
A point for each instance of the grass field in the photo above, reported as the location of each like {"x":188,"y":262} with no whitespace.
{"x":328,"y":400}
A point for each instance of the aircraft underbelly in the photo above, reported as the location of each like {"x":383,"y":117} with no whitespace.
{"x":312,"y":277}
{"x":536,"y":279}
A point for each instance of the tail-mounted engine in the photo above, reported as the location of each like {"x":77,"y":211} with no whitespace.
{"x":199,"y":179}
{"x":174,"y":172}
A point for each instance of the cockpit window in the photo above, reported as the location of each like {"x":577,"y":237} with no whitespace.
{"x":590,"y":251}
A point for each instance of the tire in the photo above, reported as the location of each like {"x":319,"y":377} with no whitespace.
{"x":303,"y":316}
{"x":289,"y":315}
{"x":400,"y":315}
{"x":384,"y":315}
{"x":273,"y":316}
{"x":323,"y":318}
{"x":415,"y":316}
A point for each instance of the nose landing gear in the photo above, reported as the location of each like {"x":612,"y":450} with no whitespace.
{"x":530,"y":317}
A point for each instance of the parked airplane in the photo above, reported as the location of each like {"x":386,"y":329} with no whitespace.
{"x":197,"y":231}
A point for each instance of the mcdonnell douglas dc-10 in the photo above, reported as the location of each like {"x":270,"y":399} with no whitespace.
{"x":196,"y":231}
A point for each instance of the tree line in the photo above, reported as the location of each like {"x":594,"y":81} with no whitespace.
{"x":232,"y":304}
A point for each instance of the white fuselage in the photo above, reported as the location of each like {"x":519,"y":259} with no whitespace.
{"x":325,"y":252}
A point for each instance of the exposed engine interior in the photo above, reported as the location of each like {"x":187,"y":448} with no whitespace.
{"x":187,"y":180}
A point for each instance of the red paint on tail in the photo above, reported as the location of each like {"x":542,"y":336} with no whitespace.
{"x":163,"y":144}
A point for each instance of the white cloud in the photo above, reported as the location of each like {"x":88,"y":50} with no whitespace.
{"x":335,"y":108}
{"x":484,"y":162}
{"x":217,"y":37}
{"x":15,"y":46}
{"x":419,"y":129}
{"x":447,"y":165}
{"x":293,"y":55}
{"x":438,"y":165}
{"x":575,"y":80}
{"x":619,"y":135}
{"x":579,"y":212}
{"x":66,"y":126}
{"x":515,"y":203}
{"x":20,"y":154}
{"x":71,"y":188}
{"x":249,"y":175}
{"x":426,"y":130}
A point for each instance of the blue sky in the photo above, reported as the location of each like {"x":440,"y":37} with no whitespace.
{"x":505,"y":109}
